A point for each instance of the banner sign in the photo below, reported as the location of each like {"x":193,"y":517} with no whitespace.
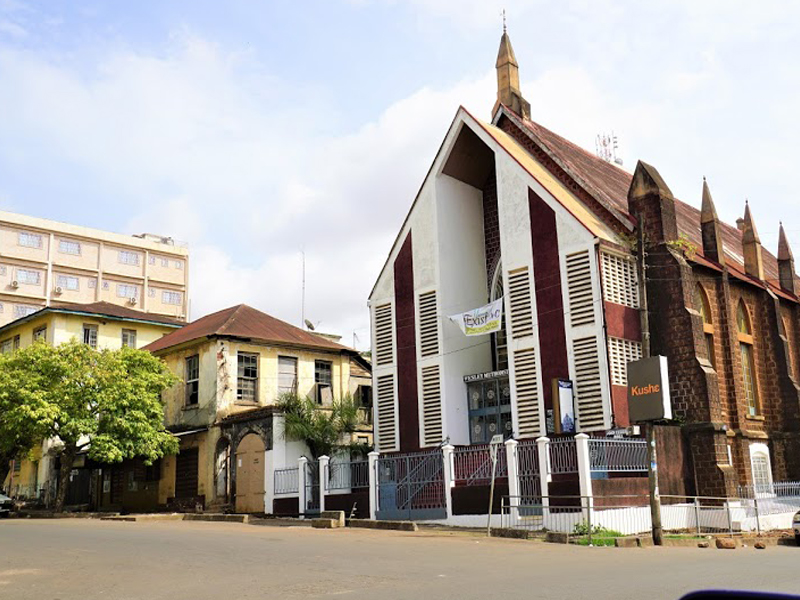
{"x":648,"y":390}
{"x":485,"y":376}
{"x":480,"y":321}
{"x":566,"y":406}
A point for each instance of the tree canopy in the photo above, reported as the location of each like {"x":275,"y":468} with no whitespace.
{"x":107,"y":402}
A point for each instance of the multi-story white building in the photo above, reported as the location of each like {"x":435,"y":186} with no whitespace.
{"x":43,"y":261}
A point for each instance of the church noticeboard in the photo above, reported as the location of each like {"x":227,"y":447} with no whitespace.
{"x":648,"y":390}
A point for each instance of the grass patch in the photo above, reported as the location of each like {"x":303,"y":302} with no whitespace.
{"x":601,"y":536}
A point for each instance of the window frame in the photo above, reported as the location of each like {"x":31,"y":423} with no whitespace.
{"x":61,"y":250}
{"x":165,"y":294}
{"x":282,"y":389}
{"x":133,"y":286}
{"x":40,"y":333}
{"x":64,"y":286}
{"x":132,"y":258}
{"x":191,"y":367}
{"x":241,"y":368}
{"x":129,"y":333}
{"x":704,"y":308}
{"x":318,"y":384}
{"x":744,"y":332}
{"x":88,"y":328}
{"x":29,"y":234}
{"x":20,"y":270}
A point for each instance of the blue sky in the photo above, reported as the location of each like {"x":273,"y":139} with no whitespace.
{"x":253,"y":130}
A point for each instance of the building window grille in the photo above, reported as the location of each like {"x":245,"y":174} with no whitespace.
{"x":90,"y":335}
{"x":192,"y":380}
{"x":69,"y":247}
{"x":323,"y":377}
{"x":40,"y":333}
{"x":129,"y":338}
{"x":620,"y":353}
{"x":620,"y":284}
{"x":762,"y":475}
{"x":168,"y":297}
{"x":23,"y":310}
{"x":29,"y":240}
{"x":67,"y":282}
{"x":128,"y":257}
{"x":247,"y":377}
{"x":749,"y":381}
{"x":29,"y":276}
{"x":287,"y":375}
{"x":125,"y":290}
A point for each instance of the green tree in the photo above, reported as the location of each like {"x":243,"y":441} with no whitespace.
{"x":108,"y":401}
{"x":324,"y":429}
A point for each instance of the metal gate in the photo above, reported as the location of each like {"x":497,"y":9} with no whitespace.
{"x":312,"y":488}
{"x":530,"y":483}
{"x":411,"y":486}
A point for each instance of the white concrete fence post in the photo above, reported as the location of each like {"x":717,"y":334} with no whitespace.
{"x":449,"y":478}
{"x":372,"y":465}
{"x":301,"y":485}
{"x":543,"y":452}
{"x":512,"y":467}
{"x":324,"y":461}
{"x":584,"y":470}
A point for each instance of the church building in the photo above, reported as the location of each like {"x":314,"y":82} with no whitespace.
{"x":512,"y":210}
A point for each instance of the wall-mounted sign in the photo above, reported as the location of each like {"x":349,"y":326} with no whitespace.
{"x":566,"y":406}
{"x":480,"y":321}
{"x":648,"y":390}
{"x":487,"y":375}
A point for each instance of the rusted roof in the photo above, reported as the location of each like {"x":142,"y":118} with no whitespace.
{"x":608,"y":184}
{"x":242,"y":321}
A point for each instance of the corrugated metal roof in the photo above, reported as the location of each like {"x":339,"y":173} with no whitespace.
{"x":242,"y":321}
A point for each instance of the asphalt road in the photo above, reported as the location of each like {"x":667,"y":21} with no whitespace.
{"x":87,"y":559}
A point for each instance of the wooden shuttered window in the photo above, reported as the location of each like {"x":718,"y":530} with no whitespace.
{"x":428,"y":324}
{"x":432,"y":405}
{"x":579,"y":287}
{"x":519,"y":302}
{"x":588,"y":390}
{"x":384,"y":342}
{"x":525,"y":376}
{"x":387,"y":416}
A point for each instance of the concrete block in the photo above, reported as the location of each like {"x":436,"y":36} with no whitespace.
{"x":385,"y":525}
{"x":626,"y":542}
{"x":556,"y":537}
{"x":517,"y":534}
{"x":325,"y":523}
{"x":336,"y":515}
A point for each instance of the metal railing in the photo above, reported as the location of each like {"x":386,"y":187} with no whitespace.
{"x":563,"y":456}
{"x":528,"y":467}
{"x":348,"y":475}
{"x":287,"y":481}
{"x":617,"y":456}
{"x":472,"y":465}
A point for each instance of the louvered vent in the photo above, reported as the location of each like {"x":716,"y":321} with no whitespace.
{"x":428,"y":325}
{"x":579,"y":284}
{"x":587,"y":383}
{"x":620,"y":353}
{"x":431,"y":405}
{"x":387,"y":421}
{"x":384,"y":349}
{"x":527,"y":392}
{"x":619,"y":280}
{"x":519,"y":296}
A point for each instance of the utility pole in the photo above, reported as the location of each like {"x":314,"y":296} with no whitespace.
{"x":650,"y":434}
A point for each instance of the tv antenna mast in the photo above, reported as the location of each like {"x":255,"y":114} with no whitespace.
{"x":606,"y":146}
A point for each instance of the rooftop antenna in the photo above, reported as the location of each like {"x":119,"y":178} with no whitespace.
{"x":504,"y":20}
{"x":606,"y":147}
{"x":303,"y":290}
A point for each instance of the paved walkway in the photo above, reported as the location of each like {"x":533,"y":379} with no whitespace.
{"x":86,"y":559}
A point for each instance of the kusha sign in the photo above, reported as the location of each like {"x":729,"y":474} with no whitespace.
{"x":648,"y":390}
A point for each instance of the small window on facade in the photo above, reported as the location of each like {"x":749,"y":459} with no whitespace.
{"x":129,"y":338}
{"x":29,"y":276}
{"x":704,"y":308}
{"x":192,"y":380}
{"x":287,"y":374}
{"x":29,"y":240}
{"x":247,"y":377}
{"x":67,"y":282}
{"x":91,"y":283}
{"x":179,"y":264}
{"x":15,"y":342}
{"x":164,"y":262}
{"x":23,"y":310}
{"x":323,"y":377}
{"x":168,"y":297}
{"x":69,"y":247}
{"x":762,"y":475}
{"x":789,"y":361}
{"x":151,"y":260}
{"x":105,"y":285}
{"x":7,"y":346}
{"x":3,"y":270}
{"x":749,"y":381}
{"x":125,"y":290}
{"x":90,"y":335}
{"x":128,"y":257}
{"x":40,"y":333}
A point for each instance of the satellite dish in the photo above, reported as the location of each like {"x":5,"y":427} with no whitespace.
{"x":309,"y":325}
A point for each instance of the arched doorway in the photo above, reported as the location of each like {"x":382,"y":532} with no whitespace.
{"x":250,"y":474}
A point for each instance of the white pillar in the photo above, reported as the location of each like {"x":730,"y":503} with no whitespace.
{"x":269,"y":482}
{"x":513,"y":481}
{"x":543,"y":453}
{"x":449,"y":479}
{"x":584,"y":467}
{"x":301,"y":485}
{"x":323,"y":480}
{"x":372,"y":465}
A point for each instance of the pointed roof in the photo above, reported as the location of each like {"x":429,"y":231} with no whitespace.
{"x":505,"y":54}
{"x":749,"y":235}
{"x":708,"y":212}
{"x":784,"y":250}
{"x":245,"y":322}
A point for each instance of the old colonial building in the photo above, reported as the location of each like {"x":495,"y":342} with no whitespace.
{"x":511,"y":210}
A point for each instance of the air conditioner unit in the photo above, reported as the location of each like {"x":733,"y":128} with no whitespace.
{"x":15,"y":284}
{"x":132,"y":301}
{"x":58,"y":290}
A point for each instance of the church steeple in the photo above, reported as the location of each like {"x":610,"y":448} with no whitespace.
{"x":508,"y":91}
{"x":751,"y":244}
{"x":709,"y":225}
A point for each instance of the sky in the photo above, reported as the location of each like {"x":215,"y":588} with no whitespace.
{"x":260,"y":132}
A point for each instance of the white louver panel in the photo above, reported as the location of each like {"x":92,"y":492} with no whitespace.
{"x":431,"y":405}
{"x":620,"y":353}
{"x":527,"y":392}
{"x":386,"y":418}
{"x":519,"y":299}
{"x":588,"y":392}
{"x":384,"y":346}
{"x":428,"y":325}
{"x":619,"y":280}
{"x":579,"y":285}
